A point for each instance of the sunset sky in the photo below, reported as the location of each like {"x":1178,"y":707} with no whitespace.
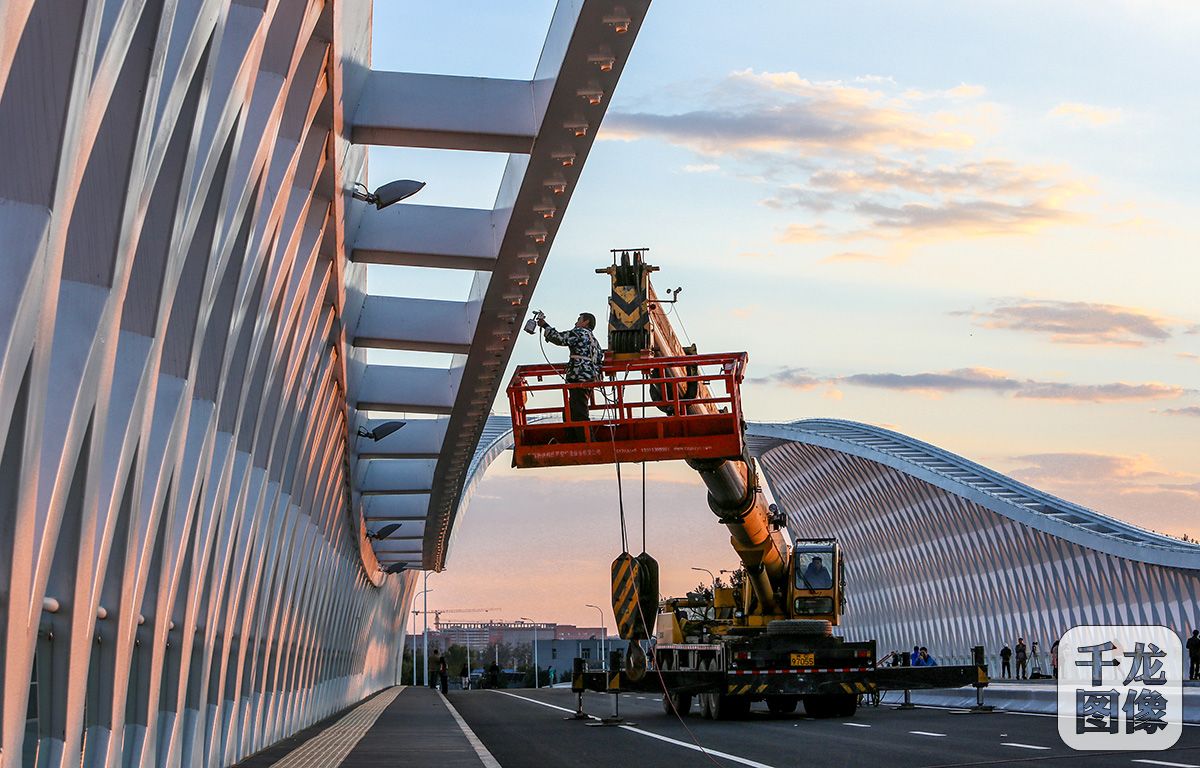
{"x":975,"y":224}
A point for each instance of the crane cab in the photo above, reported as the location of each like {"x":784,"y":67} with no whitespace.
{"x":818,"y":580}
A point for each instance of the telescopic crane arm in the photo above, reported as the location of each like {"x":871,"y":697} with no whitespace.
{"x":733,"y":492}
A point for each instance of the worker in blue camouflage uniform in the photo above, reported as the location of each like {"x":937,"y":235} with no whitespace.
{"x":587,"y":357}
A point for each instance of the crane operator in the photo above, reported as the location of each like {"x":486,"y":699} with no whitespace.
{"x":587,"y":357}
{"x":817,"y":576}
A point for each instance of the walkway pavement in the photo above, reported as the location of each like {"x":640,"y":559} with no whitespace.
{"x":367,"y":735}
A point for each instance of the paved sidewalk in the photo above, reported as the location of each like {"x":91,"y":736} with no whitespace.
{"x":412,"y":725}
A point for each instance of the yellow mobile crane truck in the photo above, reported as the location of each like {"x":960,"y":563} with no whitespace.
{"x":767,"y":636}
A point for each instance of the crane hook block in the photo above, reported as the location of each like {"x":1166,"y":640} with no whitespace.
{"x":635,"y":595}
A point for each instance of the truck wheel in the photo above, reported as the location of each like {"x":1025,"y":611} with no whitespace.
{"x":800,"y":627}
{"x":708,"y":701}
{"x":782,"y":705}
{"x":845,"y":705}
{"x":730,"y":707}
{"x":677,"y":702}
{"x":818,"y":706}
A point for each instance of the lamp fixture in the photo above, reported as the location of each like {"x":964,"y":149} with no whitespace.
{"x":593,"y":95}
{"x":619,"y":20}
{"x":392,"y":192}
{"x":385,"y":531}
{"x":381,"y":430}
{"x":604,"y":61}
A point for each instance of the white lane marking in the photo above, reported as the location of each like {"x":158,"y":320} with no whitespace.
{"x":1020,"y":745}
{"x":857,"y":725}
{"x":631,"y":729}
{"x":925,"y":733}
{"x":485,"y":757}
{"x":1169,"y":765}
{"x":641,"y":698}
{"x":704,"y":750}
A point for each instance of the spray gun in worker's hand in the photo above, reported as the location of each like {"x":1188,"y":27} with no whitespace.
{"x":539,"y":317}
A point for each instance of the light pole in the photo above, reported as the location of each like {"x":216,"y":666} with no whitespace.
{"x":425,"y":642}
{"x":710,"y":575}
{"x":603,"y":634}
{"x":414,"y":637}
{"x":536,"y":679}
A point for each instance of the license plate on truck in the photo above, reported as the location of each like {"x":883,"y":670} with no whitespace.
{"x":803,"y":659}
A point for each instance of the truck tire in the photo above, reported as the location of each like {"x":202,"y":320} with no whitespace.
{"x":707,"y":700}
{"x":831,"y":705}
{"x":680,"y":703}
{"x":782,"y":705}
{"x":846,"y":705}
{"x":730,"y":707}
{"x":800,"y":627}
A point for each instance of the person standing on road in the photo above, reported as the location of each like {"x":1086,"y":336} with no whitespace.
{"x":916,"y":654}
{"x":1005,"y":665}
{"x":464,"y":675}
{"x":1193,"y":649}
{"x":1022,"y":659}
{"x":587,"y":358}
{"x":435,"y":663}
{"x":443,"y":676}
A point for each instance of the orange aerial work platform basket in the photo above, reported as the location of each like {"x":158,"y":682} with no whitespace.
{"x":650,"y":409}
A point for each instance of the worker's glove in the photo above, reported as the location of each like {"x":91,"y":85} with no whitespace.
{"x":541,"y":321}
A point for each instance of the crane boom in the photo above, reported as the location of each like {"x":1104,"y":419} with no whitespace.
{"x":734,"y":495}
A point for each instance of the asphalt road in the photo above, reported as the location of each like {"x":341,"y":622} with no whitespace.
{"x":526,"y":728}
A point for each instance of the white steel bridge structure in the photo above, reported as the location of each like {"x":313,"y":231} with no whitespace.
{"x":192,"y":564}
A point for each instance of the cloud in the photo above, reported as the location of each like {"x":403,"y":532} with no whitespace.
{"x":913,"y":176}
{"x":984,"y":380}
{"x":888,"y":162}
{"x":1083,"y":467}
{"x":949,"y":381}
{"x":1191,"y":410}
{"x":973,"y":217}
{"x":1188,"y":355}
{"x":1133,"y":488}
{"x":1085,"y":114}
{"x":784,"y":112}
{"x":701,"y":168}
{"x":855,"y":256}
{"x":1076,"y":322}
{"x":802,"y":233}
{"x":1099,"y":393}
{"x":795,"y":378}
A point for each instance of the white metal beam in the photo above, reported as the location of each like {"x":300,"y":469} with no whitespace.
{"x":428,"y":236}
{"x":406,"y":109}
{"x":400,"y":388}
{"x":423,"y":325}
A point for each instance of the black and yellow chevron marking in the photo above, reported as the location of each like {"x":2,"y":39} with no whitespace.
{"x":738,"y":689}
{"x":857,"y":687}
{"x":626,"y":572}
{"x":627,"y":307}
